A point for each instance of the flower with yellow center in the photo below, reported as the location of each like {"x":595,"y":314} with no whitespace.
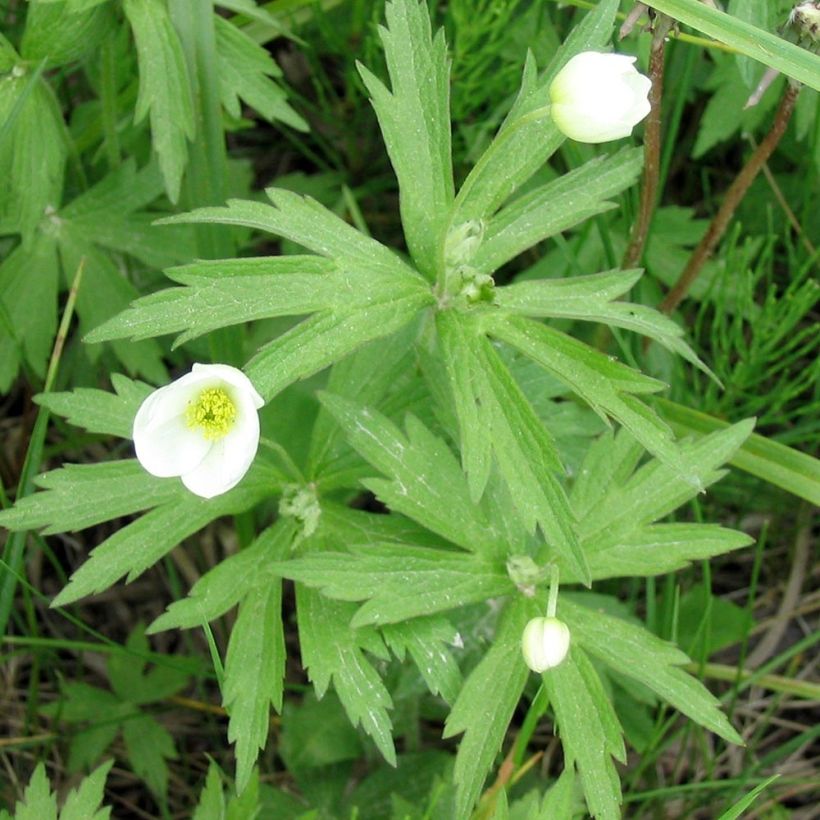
{"x":203,"y":427}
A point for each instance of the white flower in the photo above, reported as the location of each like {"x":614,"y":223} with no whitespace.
{"x":203,"y":427}
{"x":599,"y":97}
{"x":545,"y":643}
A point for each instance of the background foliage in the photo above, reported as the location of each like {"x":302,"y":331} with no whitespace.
{"x":418,"y":258}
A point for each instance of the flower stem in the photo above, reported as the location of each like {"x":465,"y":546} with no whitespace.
{"x":737,"y":190}
{"x":552,"y":602}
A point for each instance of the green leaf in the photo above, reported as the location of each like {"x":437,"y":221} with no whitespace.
{"x":246,"y":70}
{"x":425,"y":480}
{"x":663,"y":548}
{"x":307,"y":223}
{"x":768,"y":48}
{"x":99,"y":411}
{"x":254,"y":673}
{"x":640,"y":655}
{"x":528,"y":136}
{"x":655,"y":490}
{"x":82,"y":495}
{"x":38,"y":802}
{"x":427,"y":639}
{"x":486,"y":704}
{"x":225,"y":292}
{"x":211,"y":805}
{"x":62,"y":33}
{"x":527,"y":460}
{"x":327,"y":337}
{"x":105,"y":291}
{"x":109,"y":215}
{"x":378,"y":370}
{"x":603,"y":383}
{"x":558,"y":799}
{"x":785,"y":467}
{"x":555,"y":207}
{"x":589,"y":730}
{"x":316,"y":734}
{"x":331,"y":650}
{"x":399,"y":581}
{"x":589,"y":299}
{"x":132,"y":684}
{"x":33,"y":149}
{"x":415,"y":122}
{"x":148,"y":745}
{"x":137,"y":546}
{"x":461,"y":349}
{"x":83,"y":803}
{"x":223,"y":586}
{"x":164,"y":88}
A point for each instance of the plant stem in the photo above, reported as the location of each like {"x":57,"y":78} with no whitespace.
{"x":651,"y":148}
{"x":737,"y":190}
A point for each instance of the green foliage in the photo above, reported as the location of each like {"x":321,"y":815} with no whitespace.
{"x":148,"y":744}
{"x":442,"y":457}
{"x":82,"y":803}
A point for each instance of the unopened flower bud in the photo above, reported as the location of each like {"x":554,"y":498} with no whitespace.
{"x":599,"y":97}
{"x":545,"y":643}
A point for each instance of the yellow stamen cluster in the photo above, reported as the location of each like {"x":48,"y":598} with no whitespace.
{"x":213,"y":411}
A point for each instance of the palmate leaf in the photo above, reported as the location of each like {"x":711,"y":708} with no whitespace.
{"x":486,"y":704}
{"x":82,"y":802}
{"x":223,"y":586}
{"x":331,"y":650}
{"x":374,"y":373}
{"x":105,"y":291}
{"x":640,"y":655}
{"x":33,"y":150}
{"x":656,"y":489}
{"x":326,"y":337}
{"x":307,"y":223}
{"x":555,"y":207}
{"x":247,"y":71}
{"x":99,"y":411}
{"x":606,"y":385}
{"x":415,"y":123}
{"x":462,"y":353}
{"x":399,"y":581}
{"x":220,"y":293}
{"x":589,"y":299}
{"x":164,"y":89}
{"x":111,"y":215}
{"x":527,"y":460}
{"x":662,"y":548}
{"x":82,"y":495}
{"x":425,"y":480}
{"x":254,"y":674}
{"x":426,"y":639}
{"x":590,"y":733}
{"x":148,"y":746}
{"x":62,"y":33}
{"x":528,"y":136}
{"x":29,"y":279}
{"x":139,"y":545}
{"x":495,"y":417}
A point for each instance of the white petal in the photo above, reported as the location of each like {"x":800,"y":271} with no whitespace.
{"x":231,"y":375}
{"x":170,"y":448}
{"x":229,"y":458}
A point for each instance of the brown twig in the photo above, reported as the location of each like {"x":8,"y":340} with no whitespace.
{"x":737,"y":190}
{"x":651,"y":147}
